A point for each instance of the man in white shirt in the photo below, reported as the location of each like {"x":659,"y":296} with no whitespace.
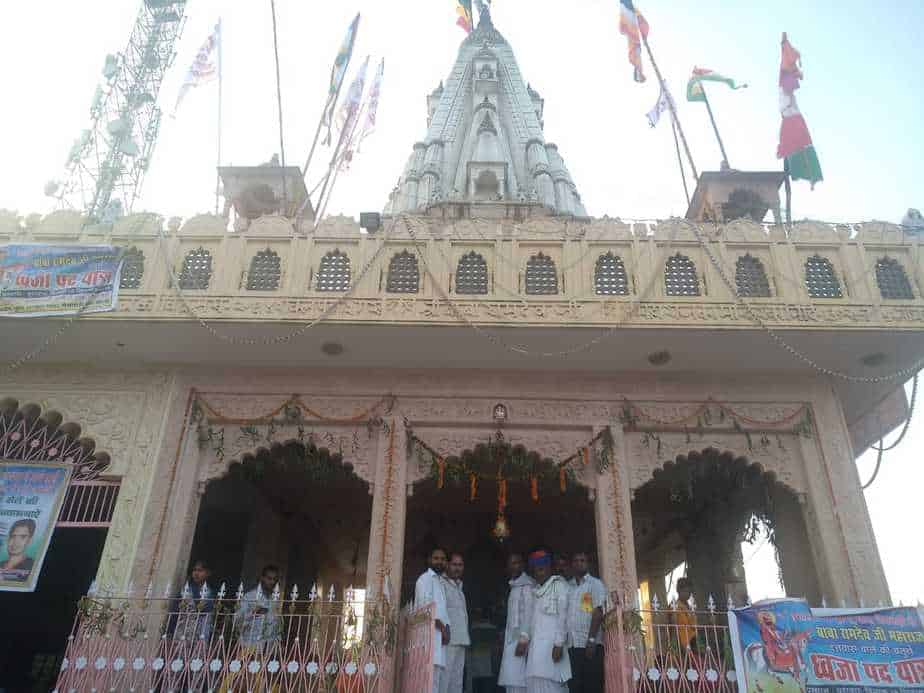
{"x":585,"y":618}
{"x":459,"y":641}
{"x":516,"y":635}
{"x":548,"y":669}
{"x":429,"y":590}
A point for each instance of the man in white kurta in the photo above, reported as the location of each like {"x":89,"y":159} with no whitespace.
{"x":516,"y":635}
{"x":459,"y":641}
{"x":547,"y":667}
{"x":427,"y":591}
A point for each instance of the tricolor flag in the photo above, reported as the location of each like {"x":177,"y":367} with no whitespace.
{"x":695,"y":91}
{"x":205,"y":67}
{"x":337,"y":75}
{"x":464,"y":10}
{"x":795,"y":142}
{"x":635,"y":28}
{"x":665,"y":103}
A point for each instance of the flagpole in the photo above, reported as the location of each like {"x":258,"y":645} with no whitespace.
{"x":670,"y":103}
{"x":218,"y":165}
{"x":715,"y":127}
{"x":788,"y":187}
{"x":282,"y":146}
{"x":335,"y":170}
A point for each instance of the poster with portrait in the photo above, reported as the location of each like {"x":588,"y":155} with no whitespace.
{"x":782,"y":646}
{"x":31,"y":495}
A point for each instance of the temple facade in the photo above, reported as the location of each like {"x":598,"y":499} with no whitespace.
{"x":335,"y":402}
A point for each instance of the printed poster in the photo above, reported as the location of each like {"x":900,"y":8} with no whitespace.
{"x":31,"y":495}
{"x":42,"y":280}
{"x":782,"y":645}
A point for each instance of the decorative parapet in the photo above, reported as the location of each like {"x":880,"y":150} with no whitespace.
{"x":854,"y":252}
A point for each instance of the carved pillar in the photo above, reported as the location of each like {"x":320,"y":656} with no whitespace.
{"x":389,"y":506}
{"x":613,"y":508}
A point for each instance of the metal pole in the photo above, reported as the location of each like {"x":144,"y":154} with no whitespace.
{"x":683,"y":138}
{"x":335,"y":168}
{"x":788,"y":183}
{"x":715,"y":128}
{"x":282,"y":146}
{"x":218,"y":164}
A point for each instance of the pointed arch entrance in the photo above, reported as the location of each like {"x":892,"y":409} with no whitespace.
{"x":293,"y":504}
{"x":35,"y":625}
{"x":699,"y":508}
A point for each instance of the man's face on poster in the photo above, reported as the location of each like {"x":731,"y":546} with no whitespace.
{"x":18,"y":540}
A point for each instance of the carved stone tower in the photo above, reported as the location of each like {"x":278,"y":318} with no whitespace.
{"x":485,"y":150}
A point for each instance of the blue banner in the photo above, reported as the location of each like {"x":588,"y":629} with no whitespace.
{"x":41,"y":280}
{"x":31,"y":495}
{"x":783,"y":645}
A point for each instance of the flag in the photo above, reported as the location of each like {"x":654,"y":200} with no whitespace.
{"x":665,"y":103}
{"x":695,"y":90}
{"x":372,"y":104}
{"x":337,"y":74}
{"x":795,"y":142}
{"x":205,"y":67}
{"x":633,"y":25}
{"x":464,"y":10}
{"x":349,"y":111}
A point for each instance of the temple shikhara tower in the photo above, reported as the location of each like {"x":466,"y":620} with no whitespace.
{"x":488,"y":368}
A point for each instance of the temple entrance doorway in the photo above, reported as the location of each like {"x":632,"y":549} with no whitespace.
{"x":295,"y":506}
{"x":695,"y":515}
{"x":491,"y":501}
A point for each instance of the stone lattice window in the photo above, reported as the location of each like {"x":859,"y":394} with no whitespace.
{"x":680,"y":278}
{"x":472,"y":275}
{"x":892,"y":279}
{"x":751,"y":277}
{"x":610,"y":278}
{"x":265,"y":271}
{"x":132,"y":269}
{"x":403,"y":275}
{"x":334,"y":272}
{"x":541,"y":276}
{"x":820,"y":279}
{"x":197,"y":270}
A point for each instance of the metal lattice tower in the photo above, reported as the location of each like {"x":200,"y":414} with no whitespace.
{"x":108,"y":162}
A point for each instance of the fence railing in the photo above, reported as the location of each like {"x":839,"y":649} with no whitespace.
{"x":229,"y":645}
{"x":415,"y":643}
{"x":668,"y":650}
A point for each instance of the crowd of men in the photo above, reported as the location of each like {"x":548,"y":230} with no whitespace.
{"x":552,"y":639}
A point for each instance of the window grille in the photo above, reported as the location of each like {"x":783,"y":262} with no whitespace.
{"x":892,"y":280}
{"x":610,"y":277}
{"x":472,"y":274}
{"x":403,"y":275}
{"x":197,"y":270}
{"x":265,"y":271}
{"x":334,"y":272}
{"x":820,"y":279}
{"x":132,"y":269}
{"x":680,"y":278}
{"x":541,"y":276}
{"x":751,"y":278}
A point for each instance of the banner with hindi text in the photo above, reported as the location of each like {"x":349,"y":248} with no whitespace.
{"x":783,"y":645}
{"x":31,"y":494}
{"x":42,"y":280}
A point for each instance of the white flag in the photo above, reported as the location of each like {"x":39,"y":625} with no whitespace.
{"x":349,"y":111}
{"x":665,"y":102}
{"x":372,"y":104}
{"x":205,"y":67}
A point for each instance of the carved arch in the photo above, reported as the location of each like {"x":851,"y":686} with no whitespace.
{"x":31,"y":435}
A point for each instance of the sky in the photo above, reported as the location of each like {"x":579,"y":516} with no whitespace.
{"x":860,"y":97}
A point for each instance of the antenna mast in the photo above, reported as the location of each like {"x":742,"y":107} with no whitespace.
{"x":107,"y":163}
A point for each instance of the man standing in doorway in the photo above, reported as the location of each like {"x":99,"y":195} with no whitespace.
{"x":562,"y":566}
{"x":585,"y":618}
{"x":194,"y":612}
{"x":257,"y":620}
{"x":429,"y":590}
{"x":548,"y":669}
{"x":460,"y":641}
{"x":520,"y":605}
